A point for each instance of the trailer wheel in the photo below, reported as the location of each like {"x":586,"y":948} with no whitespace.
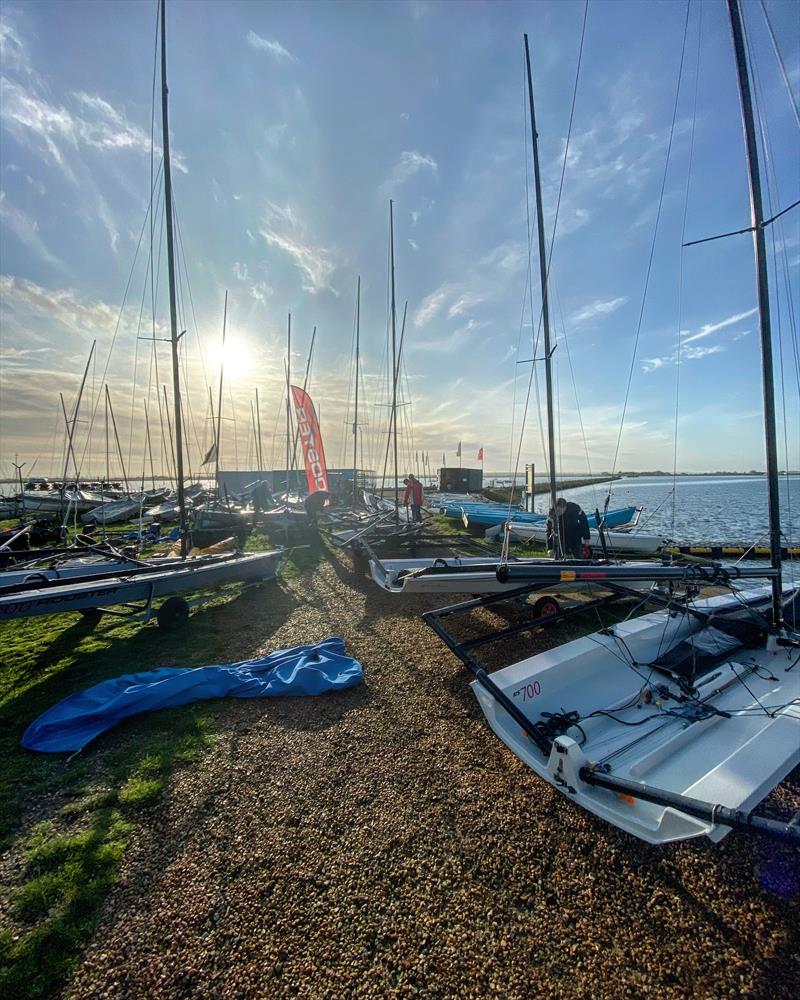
{"x":172,"y":613}
{"x":545,"y":607}
{"x":91,"y":616}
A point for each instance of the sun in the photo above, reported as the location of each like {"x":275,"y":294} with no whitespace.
{"x":237,"y":358}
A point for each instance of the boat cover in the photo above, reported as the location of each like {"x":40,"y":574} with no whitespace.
{"x":303,"y":670}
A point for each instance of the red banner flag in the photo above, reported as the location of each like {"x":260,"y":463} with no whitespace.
{"x":310,"y":440}
{"x":480,"y":455}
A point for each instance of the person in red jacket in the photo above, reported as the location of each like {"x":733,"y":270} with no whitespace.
{"x":413,"y":493}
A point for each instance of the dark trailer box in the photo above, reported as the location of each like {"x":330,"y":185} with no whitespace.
{"x":460,"y":480}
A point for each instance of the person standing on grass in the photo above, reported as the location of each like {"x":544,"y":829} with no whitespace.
{"x":413,"y":494}
{"x":567,"y":523}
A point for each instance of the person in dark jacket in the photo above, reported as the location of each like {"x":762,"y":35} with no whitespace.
{"x":413,"y":495}
{"x":570,"y":522}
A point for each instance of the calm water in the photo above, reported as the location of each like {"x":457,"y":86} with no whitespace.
{"x":706,"y":508}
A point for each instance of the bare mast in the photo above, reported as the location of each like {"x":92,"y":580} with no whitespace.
{"x":545,"y":303}
{"x":173,"y":309}
{"x":355,"y":412}
{"x":394,"y":365}
{"x":219,"y":401}
{"x":760,"y":251}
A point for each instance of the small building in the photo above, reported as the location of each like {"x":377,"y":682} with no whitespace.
{"x":460,"y":480}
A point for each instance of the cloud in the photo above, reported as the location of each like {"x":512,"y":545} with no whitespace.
{"x":270,"y":45}
{"x":465,"y":301}
{"x":26,"y":230}
{"x":445,"y":345}
{"x":90,"y":122}
{"x":283,"y":229}
{"x":709,"y":328}
{"x":687,"y":354}
{"x":240,"y":271}
{"x":12,"y":51}
{"x":261,"y":291}
{"x":414,"y":245}
{"x":409,"y":164}
{"x":512,"y":350}
{"x":431,"y":305}
{"x":599,"y":308}
{"x":60,"y":305}
{"x":509,"y":257}
{"x":690,"y":353}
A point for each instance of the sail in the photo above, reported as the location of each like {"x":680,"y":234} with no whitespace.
{"x":310,"y":440}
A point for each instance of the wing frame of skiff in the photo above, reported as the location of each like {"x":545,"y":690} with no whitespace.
{"x":689,"y":752}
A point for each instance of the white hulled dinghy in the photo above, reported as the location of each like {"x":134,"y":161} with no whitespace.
{"x":679,"y":723}
{"x":671,"y":702}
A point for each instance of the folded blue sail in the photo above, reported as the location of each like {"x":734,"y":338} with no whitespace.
{"x":487,"y":515}
{"x":304,"y":670}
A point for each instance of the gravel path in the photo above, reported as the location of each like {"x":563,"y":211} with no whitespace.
{"x":382,"y":842}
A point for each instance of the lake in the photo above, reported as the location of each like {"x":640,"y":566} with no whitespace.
{"x":705,"y":509}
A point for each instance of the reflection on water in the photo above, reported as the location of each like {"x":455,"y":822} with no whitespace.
{"x":702,"y":508}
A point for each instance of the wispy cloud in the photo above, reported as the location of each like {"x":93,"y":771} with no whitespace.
{"x":26,"y":230}
{"x":431,"y":305}
{"x":710,"y":328}
{"x":687,"y":354}
{"x":465,"y":301}
{"x":283,"y":229}
{"x":90,"y":122}
{"x":512,"y":350}
{"x":270,"y":45}
{"x":692,"y":353}
{"x":12,"y":51}
{"x":445,"y":345}
{"x":599,"y":308}
{"x":62,"y":306}
{"x":409,"y":164}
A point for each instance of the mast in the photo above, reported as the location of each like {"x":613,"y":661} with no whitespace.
{"x":108,"y":463}
{"x":219,"y":401}
{"x":305,"y":389}
{"x":394,"y":365}
{"x":173,"y":309}
{"x":545,"y":304}
{"x":116,"y":439}
{"x":288,"y":405}
{"x":258,"y":432}
{"x":355,"y":412}
{"x":760,"y":250}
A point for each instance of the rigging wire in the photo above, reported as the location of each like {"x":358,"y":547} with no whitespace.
{"x":773,"y":198}
{"x":575,"y":392}
{"x":781,"y":63}
{"x":653,"y":243}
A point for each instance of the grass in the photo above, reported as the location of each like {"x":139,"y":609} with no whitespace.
{"x":70,"y":819}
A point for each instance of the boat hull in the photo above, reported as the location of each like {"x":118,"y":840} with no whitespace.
{"x":618,"y":543}
{"x":161,"y":581}
{"x":733,"y":761}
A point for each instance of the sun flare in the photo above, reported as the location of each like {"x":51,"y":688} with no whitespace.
{"x":236,"y":358}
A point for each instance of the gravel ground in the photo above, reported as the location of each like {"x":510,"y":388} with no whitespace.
{"x":382,"y":842}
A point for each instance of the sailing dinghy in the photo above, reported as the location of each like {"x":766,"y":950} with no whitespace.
{"x":614,"y":543}
{"x":91,"y":593}
{"x":679,"y":723}
{"x":632,"y":704}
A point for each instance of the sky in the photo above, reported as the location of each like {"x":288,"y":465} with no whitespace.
{"x":292,"y":126}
